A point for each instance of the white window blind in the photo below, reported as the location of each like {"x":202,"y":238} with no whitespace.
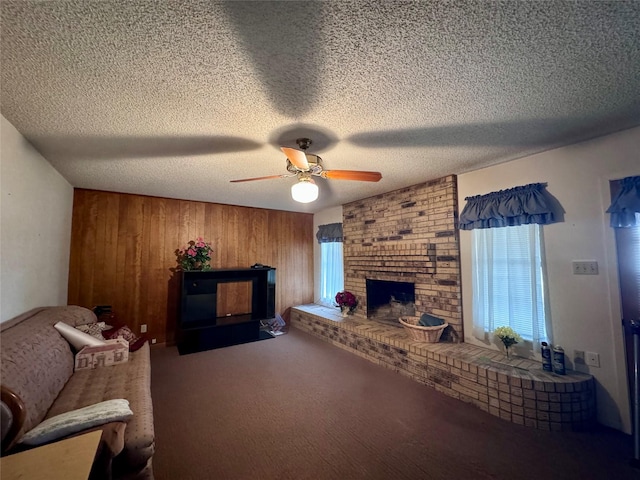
{"x":509,"y":282}
{"x":331,"y":272}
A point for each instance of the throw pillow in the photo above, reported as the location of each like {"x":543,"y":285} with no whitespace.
{"x":125,"y":332}
{"x":427,"y":320}
{"x":94,"y":329}
{"x":75,"y":337}
{"x":77,"y":420}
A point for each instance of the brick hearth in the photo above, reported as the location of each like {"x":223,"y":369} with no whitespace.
{"x":517,"y":390}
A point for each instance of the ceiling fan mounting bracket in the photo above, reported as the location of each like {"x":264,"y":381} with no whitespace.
{"x":303,"y":143}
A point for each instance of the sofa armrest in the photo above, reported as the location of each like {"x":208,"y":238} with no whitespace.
{"x":13,"y":415}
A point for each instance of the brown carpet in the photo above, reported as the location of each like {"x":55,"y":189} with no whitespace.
{"x":296,"y":407}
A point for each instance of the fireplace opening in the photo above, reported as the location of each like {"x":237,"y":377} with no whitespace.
{"x":387,"y":301}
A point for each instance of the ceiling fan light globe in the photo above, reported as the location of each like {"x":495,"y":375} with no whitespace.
{"x":305,"y":191}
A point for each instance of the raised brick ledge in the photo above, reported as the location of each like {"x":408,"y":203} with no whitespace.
{"x":517,"y":390}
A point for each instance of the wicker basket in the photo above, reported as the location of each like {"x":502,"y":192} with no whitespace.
{"x":420,"y":333}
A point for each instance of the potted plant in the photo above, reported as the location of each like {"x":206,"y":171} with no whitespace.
{"x":508,"y":336}
{"x":195,"y":255}
{"x":347,"y":302}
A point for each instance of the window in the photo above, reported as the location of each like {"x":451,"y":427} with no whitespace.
{"x":625,"y":219}
{"x":509,"y":282}
{"x":331,"y":272}
{"x":635,"y":239}
{"x":331,"y":268}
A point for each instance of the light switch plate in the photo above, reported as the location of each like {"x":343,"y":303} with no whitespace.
{"x":585,"y":267}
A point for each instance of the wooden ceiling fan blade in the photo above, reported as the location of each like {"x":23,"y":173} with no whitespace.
{"x":352,"y":175}
{"x":259,"y":178}
{"x":297,"y":157}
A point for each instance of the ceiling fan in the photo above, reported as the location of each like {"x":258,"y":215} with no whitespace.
{"x":306,"y":165}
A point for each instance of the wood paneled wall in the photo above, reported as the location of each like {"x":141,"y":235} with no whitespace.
{"x":123,"y":252}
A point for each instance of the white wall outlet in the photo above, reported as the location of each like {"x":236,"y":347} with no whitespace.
{"x":153,"y":340}
{"x":143,"y":328}
{"x":585,"y":267}
{"x":592,"y":359}
{"x":578,"y":357}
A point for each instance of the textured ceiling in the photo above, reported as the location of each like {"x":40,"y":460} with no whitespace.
{"x":176,"y":98}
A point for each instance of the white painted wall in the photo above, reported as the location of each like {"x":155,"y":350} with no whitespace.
{"x":35,"y":227}
{"x":324,"y":217}
{"x":585,"y":310}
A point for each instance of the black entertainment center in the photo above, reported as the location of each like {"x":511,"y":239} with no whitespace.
{"x":199,"y":327}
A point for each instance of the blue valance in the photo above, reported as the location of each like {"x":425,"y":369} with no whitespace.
{"x":506,"y":208}
{"x":331,"y":232}
{"x":625,"y":208}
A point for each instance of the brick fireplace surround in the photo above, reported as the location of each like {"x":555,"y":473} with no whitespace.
{"x":410,"y":235}
{"x":407,"y":235}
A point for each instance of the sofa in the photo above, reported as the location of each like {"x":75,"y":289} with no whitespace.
{"x":37,"y":368}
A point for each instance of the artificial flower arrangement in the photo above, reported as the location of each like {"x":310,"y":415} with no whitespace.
{"x":508,"y":336}
{"x":346,"y":301}
{"x":195,"y":255}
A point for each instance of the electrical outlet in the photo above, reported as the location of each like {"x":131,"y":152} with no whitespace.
{"x":578,"y":357}
{"x":143,"y":328}
{"x":153,"y":340}
{"x":592,"y":359}
{"x":585,"y":267}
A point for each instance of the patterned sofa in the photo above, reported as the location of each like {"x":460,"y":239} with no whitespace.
{"x":37,"y":366}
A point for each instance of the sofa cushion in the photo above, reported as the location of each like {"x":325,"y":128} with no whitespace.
{"x":131,"y":380}
{"x":94,"y":329}
{"x":74,"y":421}
{"x":135,"y":342}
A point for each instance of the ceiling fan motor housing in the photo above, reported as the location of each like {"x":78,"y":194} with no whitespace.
{"x":304,"y":165}
{"x":315,"y":165}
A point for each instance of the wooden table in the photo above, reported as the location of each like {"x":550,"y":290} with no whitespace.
{"x":69,"y":459}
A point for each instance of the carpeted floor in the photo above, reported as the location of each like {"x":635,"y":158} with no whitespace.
{"x":296,"y":407}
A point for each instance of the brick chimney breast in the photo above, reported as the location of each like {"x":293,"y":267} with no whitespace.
{"x":408,"y":235}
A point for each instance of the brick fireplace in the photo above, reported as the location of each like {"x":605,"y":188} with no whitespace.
{"x":407,"y":236}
